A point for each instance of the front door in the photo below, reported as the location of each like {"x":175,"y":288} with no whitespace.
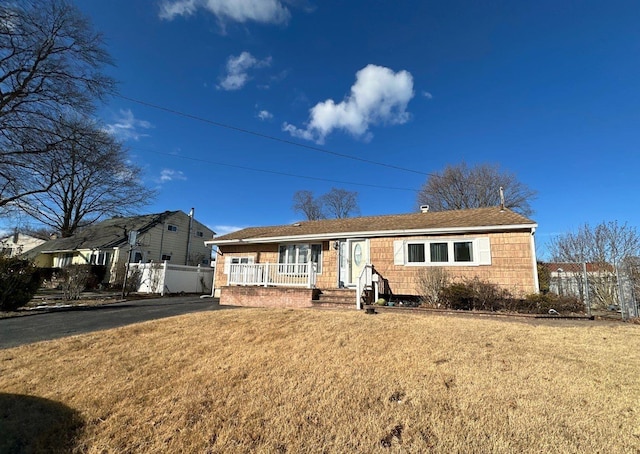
{"x":358,"y":258}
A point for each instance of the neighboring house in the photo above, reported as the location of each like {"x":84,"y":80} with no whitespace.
{"x":18,"y":243}
{"x":288,"y":265}
{"x":602,"y":291}
{"x":172,"y":236}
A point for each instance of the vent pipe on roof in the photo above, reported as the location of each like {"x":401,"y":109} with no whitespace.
{"x":424,"y":208}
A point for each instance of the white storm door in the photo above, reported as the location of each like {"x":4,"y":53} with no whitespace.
{"x":358,"y":258}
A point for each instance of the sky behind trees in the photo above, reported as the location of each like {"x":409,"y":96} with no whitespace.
{"x":373,"y":96}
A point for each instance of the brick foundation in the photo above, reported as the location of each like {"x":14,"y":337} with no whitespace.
{"x":266,"y":296}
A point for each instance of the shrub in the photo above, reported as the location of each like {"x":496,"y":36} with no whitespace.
{"x":487,"y":296}
{"x":458,"y":296}
{"x":19,"y":281}
{"x":431,"y":281}
{"x":474,"y":294}
{"x":134,"y":279}
{"x":540,"y":303}
{"x":75,"y":279}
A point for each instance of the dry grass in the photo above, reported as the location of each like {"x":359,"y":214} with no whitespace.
{"x":325,"y":381}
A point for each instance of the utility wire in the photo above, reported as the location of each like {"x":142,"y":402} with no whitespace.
{"x":273,"y":172}
{"x":266,"y":136}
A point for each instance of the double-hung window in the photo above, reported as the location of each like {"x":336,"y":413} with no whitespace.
{"x":295,"y":258}
{"x":439,"y":252}
{"x":463,"y":251}
{"x":415,"y":253}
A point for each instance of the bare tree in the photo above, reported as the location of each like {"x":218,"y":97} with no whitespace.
{"x":93,"y":179}
{"x":607,"y":242}
{"x":304,"y":202}
{"x":51,"y":63}
{"x":337,"y":203}
{"x":607,"y":245}
{"x":459,"y":187}
{"x":340,"y":203}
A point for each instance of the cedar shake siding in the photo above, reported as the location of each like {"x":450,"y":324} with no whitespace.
{"x":499,"y":246}
{"x":511,"y":263}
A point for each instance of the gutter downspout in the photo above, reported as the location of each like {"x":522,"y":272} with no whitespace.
{"x":536,"y":282}
{"x":186,"y":258}
{"x":213,"y":281}
{"x":164,"y":227}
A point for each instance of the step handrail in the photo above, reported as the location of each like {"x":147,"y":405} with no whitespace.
{"x":364,"y":280}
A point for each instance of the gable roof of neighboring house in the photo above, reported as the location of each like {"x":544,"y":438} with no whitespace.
{"x":573,"y":267}
{"x":436,"y":222}
{"x":104,"y":235}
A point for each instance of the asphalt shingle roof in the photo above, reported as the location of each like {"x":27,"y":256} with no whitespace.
{"x":478,"y":217}
{"x":106,"y":234}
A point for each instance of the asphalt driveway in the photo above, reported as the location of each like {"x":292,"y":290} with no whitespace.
{"x":61,"y":323}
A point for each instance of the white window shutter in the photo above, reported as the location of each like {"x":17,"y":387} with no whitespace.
{"x":484,"y":251}
{"x":251,"y":260}
{"x":398,"y":252}
{"x":227,"y":264}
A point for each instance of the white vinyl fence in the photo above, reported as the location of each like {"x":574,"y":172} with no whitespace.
{"x":165,"y":278}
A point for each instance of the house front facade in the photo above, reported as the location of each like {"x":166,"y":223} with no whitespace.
{"x":494,"y":244}
{"x":171,"y":236}
{"x":18,"y":243}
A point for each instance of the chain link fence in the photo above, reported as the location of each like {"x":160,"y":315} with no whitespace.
{"x":602,"y":287}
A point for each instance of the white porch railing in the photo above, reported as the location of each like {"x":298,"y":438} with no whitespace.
{"x":273,"y":274}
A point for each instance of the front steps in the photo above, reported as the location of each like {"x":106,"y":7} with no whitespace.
{"x":336,"y":297}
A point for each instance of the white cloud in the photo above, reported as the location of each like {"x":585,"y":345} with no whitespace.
{"x":127,"y":127}
{"x":264,"y":115}
{"x":427,"y":95}
{"x":167,"y":175}
{"x":263,"y":11}
{"x":224,"y":229}
{"x":379,"y":96}
{"x":238,"y":70}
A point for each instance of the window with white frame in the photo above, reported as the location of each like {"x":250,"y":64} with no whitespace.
{"x":294,"y":258}
{"x":172,"y":228}
{"x":466,"y":251}
{"x":100,"y":258}
{"x":229,"y":260}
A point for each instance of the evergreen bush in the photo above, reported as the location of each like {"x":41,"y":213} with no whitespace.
{"x":19,"y":282}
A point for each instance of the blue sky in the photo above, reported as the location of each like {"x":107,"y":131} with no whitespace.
{"x":549,"y":90}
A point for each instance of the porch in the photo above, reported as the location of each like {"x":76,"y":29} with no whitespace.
{"x":302,"y":275}
{"x":288,"y":282}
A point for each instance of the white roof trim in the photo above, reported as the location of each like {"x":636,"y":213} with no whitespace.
{"x":372,"y":234}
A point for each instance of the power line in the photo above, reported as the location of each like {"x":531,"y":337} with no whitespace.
{"x":274,"y":172}
{"x":266,"y":136}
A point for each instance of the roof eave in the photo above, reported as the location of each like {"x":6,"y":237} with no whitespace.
{"x":374,"y":234}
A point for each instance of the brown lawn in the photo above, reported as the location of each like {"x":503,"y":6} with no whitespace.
{"x":260,"y":380}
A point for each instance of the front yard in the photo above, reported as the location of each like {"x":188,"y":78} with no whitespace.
{"x":262,"y":380}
